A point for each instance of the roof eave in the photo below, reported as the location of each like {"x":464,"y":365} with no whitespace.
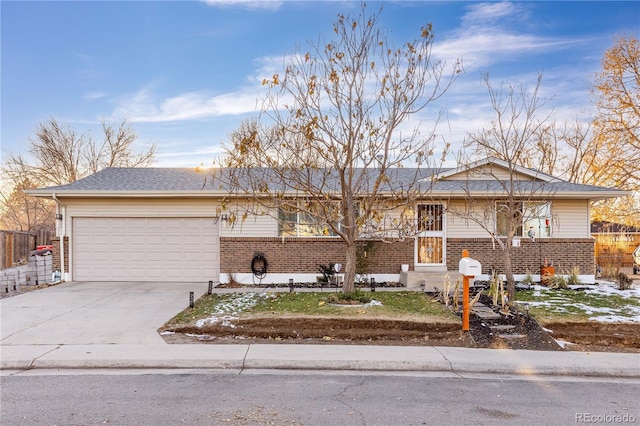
{"x":127,"y":194}
{"x":574,"y":195}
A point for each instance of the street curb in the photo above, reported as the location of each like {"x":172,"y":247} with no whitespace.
{"x":322,"y":357}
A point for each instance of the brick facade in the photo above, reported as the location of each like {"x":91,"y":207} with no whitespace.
{"x":56,"y":253}
{"x":303,"y":255}
{"x":564,"y":253}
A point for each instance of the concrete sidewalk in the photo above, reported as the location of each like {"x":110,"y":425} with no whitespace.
{"x":321,"y":357}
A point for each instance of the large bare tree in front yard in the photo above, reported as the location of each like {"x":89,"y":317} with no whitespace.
{"x":511,"y":137}
{"x":334,"y":132}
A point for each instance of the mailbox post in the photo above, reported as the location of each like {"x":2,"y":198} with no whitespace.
{"x":469,"y":268}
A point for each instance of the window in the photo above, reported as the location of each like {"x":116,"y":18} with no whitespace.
{"x":293,"y":223}
{"x":531,"y":219}
{"x":537,"y":219}
{"x":430,"y":217}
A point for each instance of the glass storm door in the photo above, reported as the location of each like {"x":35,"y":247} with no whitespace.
{"x":430,"y":248}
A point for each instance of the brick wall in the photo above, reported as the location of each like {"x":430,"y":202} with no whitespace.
{"x":56,"y":253}
{"x":303,"y":255}
{"x":564,"y":253}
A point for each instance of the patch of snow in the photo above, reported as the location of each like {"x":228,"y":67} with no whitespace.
{"x":374,"y":302}
{"x":607,"y":288}
{"x":629,"y":313}
{"x":226,"y":313}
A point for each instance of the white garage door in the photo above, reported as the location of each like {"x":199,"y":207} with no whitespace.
{"x":145,"y":249}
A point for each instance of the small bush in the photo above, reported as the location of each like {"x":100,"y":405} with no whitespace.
{"x":528,"y":279}
{"x":624,"y":282}
{"x":557,"y":282}
{"x":573,"y":276}
{"x":610,"y":271}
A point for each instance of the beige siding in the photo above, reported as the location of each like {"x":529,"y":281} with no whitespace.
{"x":252,"y":226}
{"x":458,"y":227}
{"x":570,"y":219}
{"x":139,"y":207}
{"x":488,"y":172}
{"x":264,"y":225}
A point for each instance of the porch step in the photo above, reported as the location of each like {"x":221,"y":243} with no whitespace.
{"x":486,"y":314}
{"x":512,"y":336}
{"x":502,"y":327}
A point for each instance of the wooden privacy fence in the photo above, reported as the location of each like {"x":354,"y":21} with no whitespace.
{"x":16,"y":246}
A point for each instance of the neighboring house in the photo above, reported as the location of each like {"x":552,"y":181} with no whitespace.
{"x":162,"y":224}
{"x":615,"y":244}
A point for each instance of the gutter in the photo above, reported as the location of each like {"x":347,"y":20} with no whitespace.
{"x":61,"y":210}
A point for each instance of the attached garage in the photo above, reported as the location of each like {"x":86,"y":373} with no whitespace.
{"x":145,"y":249}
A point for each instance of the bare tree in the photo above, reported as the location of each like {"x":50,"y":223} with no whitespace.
{"x":23,"y":213}
{"x":605,"y":152}
{"x":333,"y":134}
{"x":616,"y":138}
{"x":59,"y":155}
{"x":511,"y":137}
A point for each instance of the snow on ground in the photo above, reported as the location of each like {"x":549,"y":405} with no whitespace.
{"x":558,"y":303}
{"x":225,"y":313}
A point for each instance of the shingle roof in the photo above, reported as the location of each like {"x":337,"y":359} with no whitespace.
{"x":176,"y":181}
{"x":137,"y":179}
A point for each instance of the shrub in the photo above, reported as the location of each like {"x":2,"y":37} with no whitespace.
{"x":624,"y":282}
{"x":557,"y":282}
{"x":573,"y":276}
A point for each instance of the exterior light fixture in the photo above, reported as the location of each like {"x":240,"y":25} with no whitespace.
{"x":290,"y":285}
{"x":373,"y":284}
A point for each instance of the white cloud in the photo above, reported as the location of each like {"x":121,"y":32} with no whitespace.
{"x":144,"y":107}
{"x":493,"y":32}
{"x":482,"y":49}
{"x":90,"y":96}
{"x":246,"y":4}
{"x":484,"y":13}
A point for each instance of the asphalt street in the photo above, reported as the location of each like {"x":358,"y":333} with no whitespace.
{"x":311,"y":398}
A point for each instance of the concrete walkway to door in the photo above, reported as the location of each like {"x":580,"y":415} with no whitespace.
{"x":81,"y":313}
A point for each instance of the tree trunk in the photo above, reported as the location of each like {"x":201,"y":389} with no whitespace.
{"x":508,"y":271}
{"x":350,"y":268}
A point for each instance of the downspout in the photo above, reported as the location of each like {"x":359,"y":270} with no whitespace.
{"x":60,"y":208}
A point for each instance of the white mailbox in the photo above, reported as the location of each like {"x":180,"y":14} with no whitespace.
{"x":469,"y":267}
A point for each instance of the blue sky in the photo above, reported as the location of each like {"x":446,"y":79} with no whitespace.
{"x":186,"y":74}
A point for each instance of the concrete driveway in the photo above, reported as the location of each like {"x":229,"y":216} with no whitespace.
{"x":93,"y":313}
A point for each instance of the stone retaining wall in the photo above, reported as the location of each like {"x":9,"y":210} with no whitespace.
{"x":37,"y":271}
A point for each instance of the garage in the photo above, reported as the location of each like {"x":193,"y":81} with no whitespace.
{"x":145,"y":249}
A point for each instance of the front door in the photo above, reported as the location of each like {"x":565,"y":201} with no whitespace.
{"x":430,"y":242}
